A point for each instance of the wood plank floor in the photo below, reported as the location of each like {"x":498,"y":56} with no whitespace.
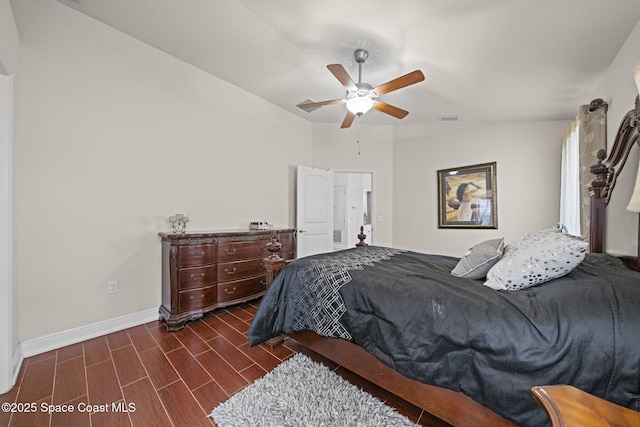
{"x":146,"y":376}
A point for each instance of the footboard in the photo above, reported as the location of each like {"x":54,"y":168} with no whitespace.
{"x":450,"y":406}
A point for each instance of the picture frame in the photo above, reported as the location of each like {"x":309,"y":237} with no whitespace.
{"x":476,"y":185}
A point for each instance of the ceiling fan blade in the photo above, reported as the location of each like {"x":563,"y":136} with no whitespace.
{"x":389,"y":109}
{"x":342,"y":75}
{"x":313,"y":105}
{"x":403,"y":81}
{"x":348,"y":119}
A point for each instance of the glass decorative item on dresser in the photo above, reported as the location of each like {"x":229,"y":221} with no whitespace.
{"x":178,"y":223}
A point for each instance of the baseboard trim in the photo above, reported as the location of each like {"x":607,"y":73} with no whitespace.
{"x":57,"y":340}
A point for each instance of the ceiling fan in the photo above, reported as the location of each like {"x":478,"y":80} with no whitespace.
{"x":361,"y":97}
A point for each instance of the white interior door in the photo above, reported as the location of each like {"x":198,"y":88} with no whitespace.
{"x":314,"y":211}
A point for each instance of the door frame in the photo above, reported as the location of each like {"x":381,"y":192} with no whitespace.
{"x":8,"y":372}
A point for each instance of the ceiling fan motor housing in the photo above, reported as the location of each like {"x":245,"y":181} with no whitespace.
{"x":364,"y":89}
{"x":360,"y":55}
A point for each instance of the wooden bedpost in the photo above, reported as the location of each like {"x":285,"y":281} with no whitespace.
{"x":361,"y":237}
{"x":273,"y":263}
{"x":598,"y":204}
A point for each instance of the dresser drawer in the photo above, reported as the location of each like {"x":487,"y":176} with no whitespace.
{"x":233,"y":251}
{"x":196,"y":277}
{"x":241,"y":288}
{"x":197,"y":299}
{"x":237,"y":270}
{"x":196,"y":255}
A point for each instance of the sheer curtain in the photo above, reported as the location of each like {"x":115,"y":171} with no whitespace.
{"x":570,"y":180}
{"x":585,"y":136}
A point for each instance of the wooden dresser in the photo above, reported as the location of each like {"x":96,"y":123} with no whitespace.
{"x":202,"y":271}
{"x":568,"y":406}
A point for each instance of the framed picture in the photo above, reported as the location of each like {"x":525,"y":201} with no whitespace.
{"x":467,"y":197}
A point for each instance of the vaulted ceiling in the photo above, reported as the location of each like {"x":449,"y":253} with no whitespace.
{"x":484,"y":60}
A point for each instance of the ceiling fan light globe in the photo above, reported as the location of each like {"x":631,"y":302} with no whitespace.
{"x":359,"y":104}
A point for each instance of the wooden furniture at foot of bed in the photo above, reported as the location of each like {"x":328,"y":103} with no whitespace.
{"x":568,"y":406}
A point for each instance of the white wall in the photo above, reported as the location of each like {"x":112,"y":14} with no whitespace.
{"x":338,"y":148}
{"x":527,"y":157}
{"x":619,"y":90}
{"x":114,"y":137}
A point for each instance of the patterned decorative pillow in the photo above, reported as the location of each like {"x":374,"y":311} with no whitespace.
{"x":479,"y":259}
{"x":536,"y":258}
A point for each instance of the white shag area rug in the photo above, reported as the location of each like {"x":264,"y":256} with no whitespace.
{"x":301,"y":392}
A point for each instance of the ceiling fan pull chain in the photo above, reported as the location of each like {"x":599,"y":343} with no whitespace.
{"x":358,"y":137}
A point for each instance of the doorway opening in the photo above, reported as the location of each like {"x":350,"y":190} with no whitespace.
{"x":353,"y":206}
{"x":331,"y":206}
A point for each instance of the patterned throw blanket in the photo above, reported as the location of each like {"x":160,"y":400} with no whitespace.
{"x":319,"y":304}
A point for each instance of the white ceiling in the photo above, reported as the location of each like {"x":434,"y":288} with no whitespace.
{"x":485,"y":60}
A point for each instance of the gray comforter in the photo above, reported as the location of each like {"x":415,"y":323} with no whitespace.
{"x":412,"y":314}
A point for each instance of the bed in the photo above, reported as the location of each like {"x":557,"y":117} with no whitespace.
{"x":466,"y":353}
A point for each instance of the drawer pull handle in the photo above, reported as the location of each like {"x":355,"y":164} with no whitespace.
{"x":194,"y":277}
{"x":196,"y":299}
{"x":197,"y":256}
{"x":230,"y":272}
{"x":229,"y":292}
{"x":230,"y":252}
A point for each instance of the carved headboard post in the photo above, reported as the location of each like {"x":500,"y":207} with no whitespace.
{"x":606,"y":174}
{"x":598,"y":204}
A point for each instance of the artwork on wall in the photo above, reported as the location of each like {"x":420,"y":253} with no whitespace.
{"x":467,"y":197}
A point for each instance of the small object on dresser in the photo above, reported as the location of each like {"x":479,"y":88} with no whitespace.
{"x":178,"y":223}
{"x":260,"y":225}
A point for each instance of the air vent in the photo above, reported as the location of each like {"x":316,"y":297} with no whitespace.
{"x":449,"y":118}
{"x":306,"y":101}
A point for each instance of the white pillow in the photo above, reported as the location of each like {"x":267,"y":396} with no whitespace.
{"x":477,"y":261}
{"x":536,"y":258}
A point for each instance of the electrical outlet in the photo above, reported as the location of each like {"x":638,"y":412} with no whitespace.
{"x":112,"y":286}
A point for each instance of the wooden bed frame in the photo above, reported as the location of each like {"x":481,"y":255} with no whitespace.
{"x":450,"y":406}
